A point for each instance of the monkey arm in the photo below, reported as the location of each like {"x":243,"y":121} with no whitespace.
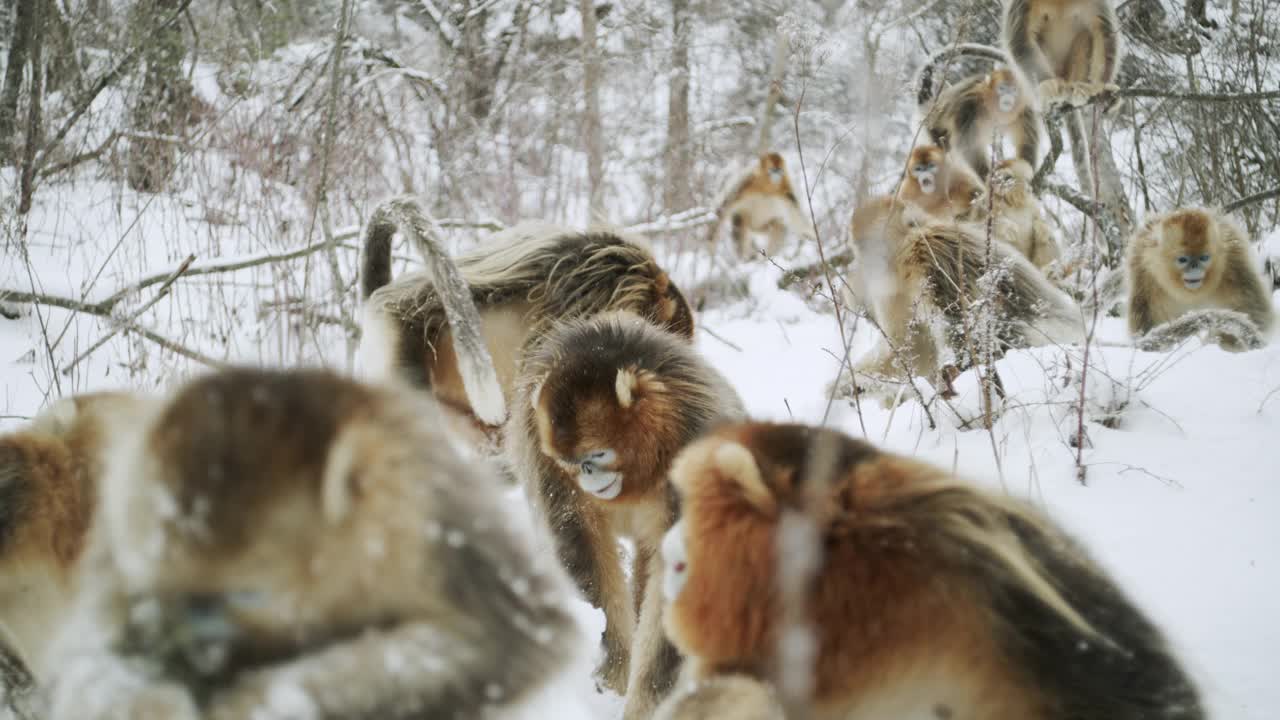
{"x":1108,"y":39}
{"x":414,"y":670}
{"x":1026,"y":136}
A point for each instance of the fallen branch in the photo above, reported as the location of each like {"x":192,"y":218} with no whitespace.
{"x":686,"y":220}
{"x":1231,"y":329}
{"x":840,"y":259}
{"x":129,"y":321}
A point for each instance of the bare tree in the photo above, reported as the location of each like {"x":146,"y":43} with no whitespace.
{"x":678,"y":162}
{"x":160,"y":109}
{"x":594,"y":139}
{"x":24,"y":31}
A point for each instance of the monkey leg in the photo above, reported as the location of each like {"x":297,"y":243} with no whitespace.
{"x":741,"y":241}
{"x":655,"y":663}
{"x":588,"y":551}
{"x":777,"y":233}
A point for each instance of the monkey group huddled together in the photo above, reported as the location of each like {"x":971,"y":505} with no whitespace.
{"x":963,"y":228}
{"x":298,"y":545}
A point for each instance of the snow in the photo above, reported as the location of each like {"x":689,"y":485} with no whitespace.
{"x":1180,"y":500}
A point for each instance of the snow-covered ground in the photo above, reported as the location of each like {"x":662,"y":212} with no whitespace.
{"x":1180,"y":502}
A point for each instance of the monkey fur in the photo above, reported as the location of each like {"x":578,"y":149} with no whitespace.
{"x":965,"y":117}
{"x":915,"y":274}
{"x":522,"y":280}
{"x":1069,"y":49}
{"x":1017,"y":219}
{"x":940,"y":186}
{"x":723,"y":697}
{"x":1194,"y":259}
{"x":761,"y":200}
{"x":931,"y":598}
{"x":602,"y":405}
{"x":273,"y":544}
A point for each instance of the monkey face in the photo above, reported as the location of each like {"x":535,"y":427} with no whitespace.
{"x":925,"y":174}
{"x":1187,"y":244}
{"x":595,"y":475}
{"x":675,"y":559}
{"x":773,"y":166}
{"x":1193,"y":269}
{"x":1006,"y":96}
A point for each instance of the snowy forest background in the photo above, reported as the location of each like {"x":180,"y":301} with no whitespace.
{"x":182,"y":184}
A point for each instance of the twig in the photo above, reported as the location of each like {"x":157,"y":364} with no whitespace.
{"x":1251,"y":199}
{"x":790,"y":277}
{"x":129,"y":321}
{"x":713,"y":334}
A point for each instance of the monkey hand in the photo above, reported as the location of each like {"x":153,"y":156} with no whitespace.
{"x":158,"y":702}
{"x":268,"y":696}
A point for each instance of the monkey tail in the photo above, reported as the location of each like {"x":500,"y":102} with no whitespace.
{"x":17,"y":684}
{"x":475,"y":364}
{"x":927,"y":79}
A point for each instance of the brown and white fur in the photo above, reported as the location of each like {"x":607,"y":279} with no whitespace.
{"x":931,"y":598}
{"x":1194,"y":259}
{"x":966,"y":117}
{"x":275,"y":544}
{"x":602,"y":406}
{"x":49,"y":476}
{"x":917,"y":277}
{"x":522,"y":280}
{"x":761,"y":200}
{"x":941,"y":186}
{"x":1069,"y":49}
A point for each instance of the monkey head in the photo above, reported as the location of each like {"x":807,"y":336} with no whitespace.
{"x":1006,"y":90}
{"x":1187,"y":243}
{"x":606,"y":411}
{"x":774,"y":167}
{"x":925,"y":166}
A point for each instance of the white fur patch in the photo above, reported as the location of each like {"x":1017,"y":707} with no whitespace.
{"x":675,"y":560}
{"x":134,"y":505}
{"x":335,"y":488}
{"x":379,"y":340}
{"x":624,"y":386}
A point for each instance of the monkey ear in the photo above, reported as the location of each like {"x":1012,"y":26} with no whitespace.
{"x":632,"y":383}
{"x":735,"y":462}
{"x":338,"y":484}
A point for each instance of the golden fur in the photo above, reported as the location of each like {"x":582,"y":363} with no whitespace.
{"x":602,"y":406}
{"x":262,"y":532}
{"x":964,"y":118}
{"x":523,"y":280}
{"x":918,"y":276}
{"x":1017,"y":218}
{"x":931,"y":596}
{"x":762,"y":201}
{"x":1158,"y":292}
{"x":943,"y":188}
{"x":1070,"y":48}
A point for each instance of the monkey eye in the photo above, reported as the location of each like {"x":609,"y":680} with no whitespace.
{"x":1204,"y":258}
{"x":1183,"y":259}
{"x":919,"y":168}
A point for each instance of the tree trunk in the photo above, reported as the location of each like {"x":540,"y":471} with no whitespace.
{"x":33,"y":134}
{"x":774,"y":93}
{"x":161,"y":108}
{"x":1093,"y":157}
{"x":19,"y":46}
{"x":591,"y":89}
{"x":675,"y":195}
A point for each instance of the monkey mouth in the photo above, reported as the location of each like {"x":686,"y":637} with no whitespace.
{"x":1006,"y":104}
{"x":926,"y":186}
{"x":1193,"y":284}
{"x":604,"y":485}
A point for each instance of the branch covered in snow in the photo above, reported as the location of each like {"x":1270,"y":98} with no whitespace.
{"x":1251,"y":199}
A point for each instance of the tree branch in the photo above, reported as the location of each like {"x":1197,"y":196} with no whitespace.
{"x":1251,"y":199}
{"x":129,"y":321}
{"x":102,"y":84}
